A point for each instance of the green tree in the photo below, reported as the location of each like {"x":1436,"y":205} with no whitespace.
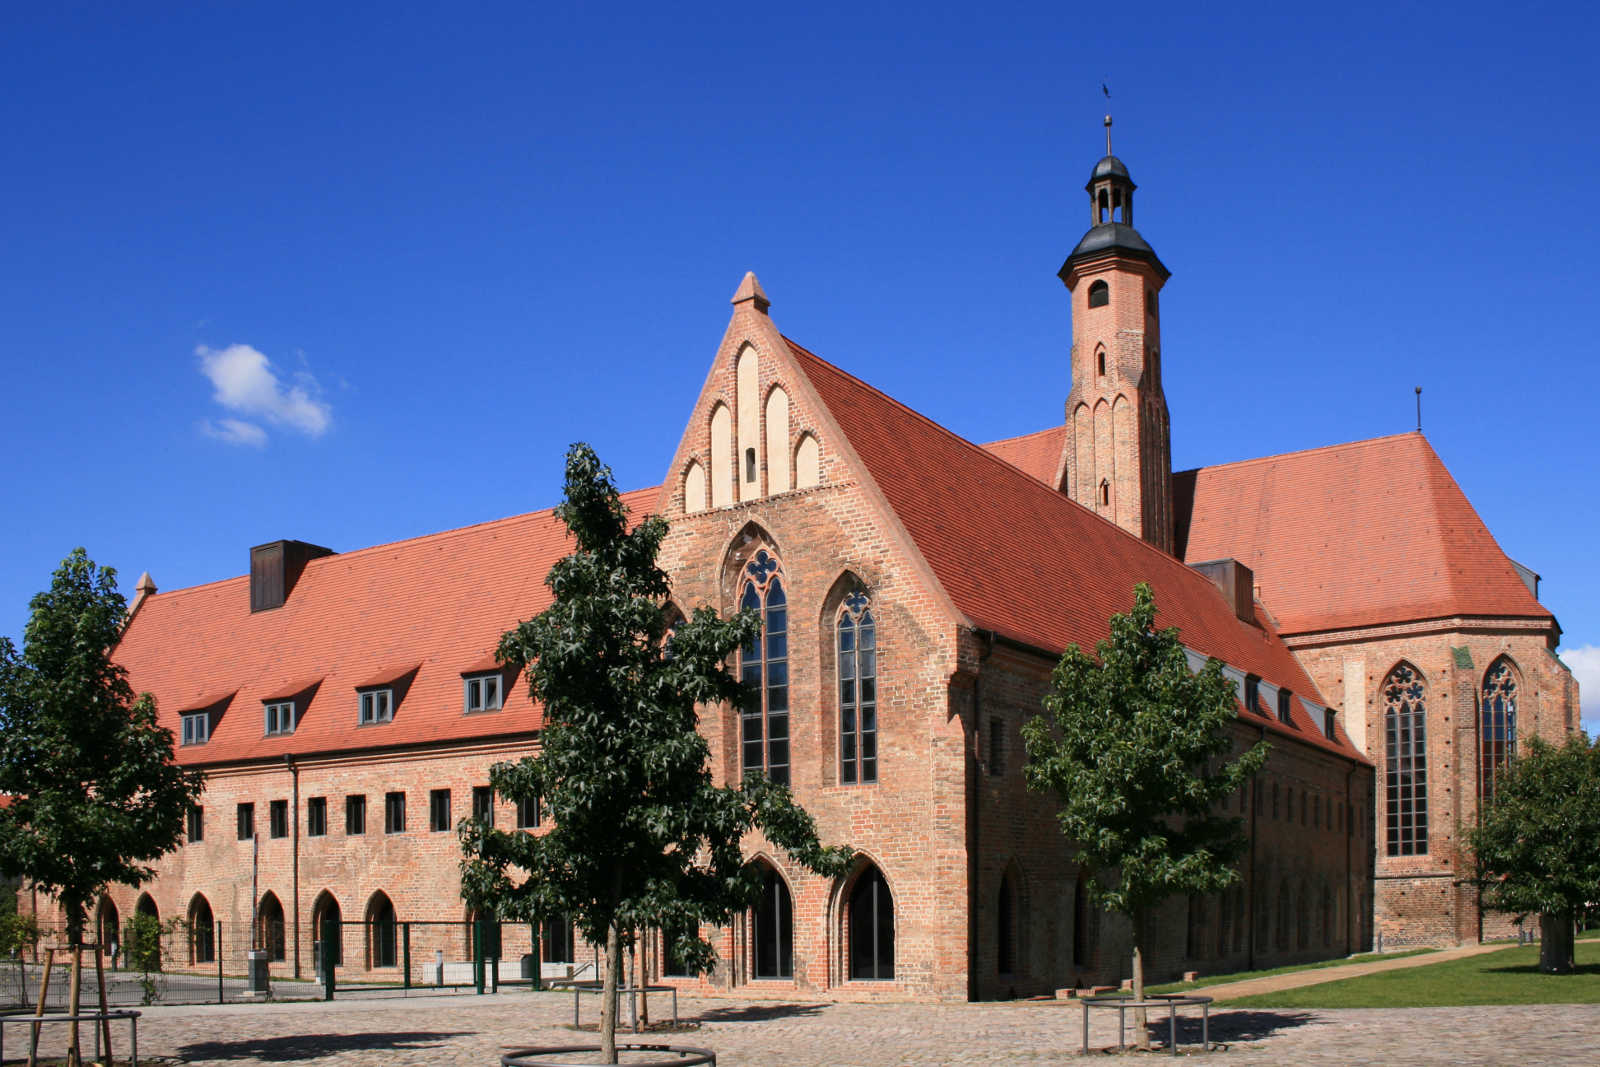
{"x":640,"y":837}
{"x":1134,"y":745}
{"x":1536,"y":848}
{"x":96,"y":794}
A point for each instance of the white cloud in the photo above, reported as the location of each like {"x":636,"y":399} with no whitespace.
{"x":245,"y":382}
{"x":234,"y":431}
{"x":1585,"y":664}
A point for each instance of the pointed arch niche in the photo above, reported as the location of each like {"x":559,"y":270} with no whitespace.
{"x":270,"y":926}
{"x":807,"y":462}
{"x":327,"y":926}
{"x":380,"y":932}
{"x":772,"y":926}
{"x":694,"y":488}
{"x":747,"y":379}
{"x":778,"y":480}
{"x":202,"y":931}
{"x":869,"y":927}
{"x":721,"y":458}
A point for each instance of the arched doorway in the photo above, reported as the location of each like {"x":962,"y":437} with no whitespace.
{"x":143,"y":950}
{"x":270,"y":927}
{"x":107,"y":924}
{"x":147,"y":906}
{"x":871,"y":933}
{"x":380,"y":932}
{"x":327,"y":926}
{"x":202,"y":931}
{"x":772,"y":926}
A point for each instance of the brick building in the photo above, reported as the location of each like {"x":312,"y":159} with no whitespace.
{"x":916,"y":590}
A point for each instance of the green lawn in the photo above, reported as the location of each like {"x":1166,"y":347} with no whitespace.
{"x":1510,"y":976}
{"x":1245,"y":976}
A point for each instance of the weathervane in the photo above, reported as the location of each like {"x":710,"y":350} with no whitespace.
{"x":1104,"y":88}
{"x":1419,"y":409}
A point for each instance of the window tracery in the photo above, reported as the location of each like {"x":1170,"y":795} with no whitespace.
{"x":1406,"y":764}
{"x":1497,"y":732}
{"x":858,"y":691}
{"x":764,"y":668}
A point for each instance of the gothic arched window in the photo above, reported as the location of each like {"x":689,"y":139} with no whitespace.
{"x":871,"y":928}
{"x":1497,"y":732}
{"x":858,"y":691}
{"x":1406,"y":761}
{"x":764,"y":668}
{"x":773,"y":923}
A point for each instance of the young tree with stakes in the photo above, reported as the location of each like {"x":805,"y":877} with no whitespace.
{"x":95,"y":793}
{"x":640,"y":837}
{"x":1134,"y":745}
{"x":1536,"y":848}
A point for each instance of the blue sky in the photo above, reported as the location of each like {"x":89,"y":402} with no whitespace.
{"x":349,"y":273}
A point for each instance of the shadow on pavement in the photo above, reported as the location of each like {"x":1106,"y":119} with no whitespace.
{"x":1241,"y":1025}
{"x":756,"y":1013}
{"x":314,"y":1046}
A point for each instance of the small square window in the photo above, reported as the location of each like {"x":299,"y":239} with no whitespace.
{"x":278,"y":818}
{"x":247,"y":821}
{"x":197,"y":823}
{"x":197,"y":728}
{"x":377,"y":705}
{"x":483,"y":804}
{"x":394,"y":813}
{"x":438,"y":810}
{"x":317,"y":817}
{"x":355,"y":816}
{"x":280,"y":717}
{"x":530,"y":813}
{"x":482,"y":692}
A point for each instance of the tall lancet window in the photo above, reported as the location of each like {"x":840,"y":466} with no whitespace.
{"x":1497,"y":730}
{"x":858,"y":691}
{"x":1406,"y":775}
{"x":764,"y":668}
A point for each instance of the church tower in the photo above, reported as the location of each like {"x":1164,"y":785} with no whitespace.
{"x":1118,"y":456}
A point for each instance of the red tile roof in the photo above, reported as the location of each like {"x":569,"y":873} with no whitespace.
{"x":434,"y":604}
{"x":1037,"y":453}
{"x":1351,"y":535}
{"x":1024,"y":561}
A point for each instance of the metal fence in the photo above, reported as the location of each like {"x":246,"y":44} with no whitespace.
{"x":212,"y":963}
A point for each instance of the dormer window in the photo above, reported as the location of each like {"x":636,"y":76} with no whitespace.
{"x":482,"y":692}
{"x":197,"y":728}
{"x":377,"y":705}
{"x":280,"y":716}
{"x":1285,"y":709}
{"x":1252,"y":693}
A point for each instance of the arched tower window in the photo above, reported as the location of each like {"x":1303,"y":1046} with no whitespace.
{"x":1105,"y":492}
{"x":772,"y":920}
{"x":858,"y":691}
{"x":764,"y":668}
{"x":871,"y":928}
{"x":1406,"y":761}
{"x":1497,"y":731}
{"x":1099,"y":296}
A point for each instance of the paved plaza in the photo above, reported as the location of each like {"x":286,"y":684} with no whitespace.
{"x":474,"y":1030}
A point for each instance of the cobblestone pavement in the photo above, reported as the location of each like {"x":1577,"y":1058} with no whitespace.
{"x":474,"y":1030}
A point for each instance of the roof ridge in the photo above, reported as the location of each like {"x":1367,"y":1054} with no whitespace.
{"x":1033,"y":484}
{"x":1032,"y":433}
{"x":453,"y":532}
{"x":1306,"y":451}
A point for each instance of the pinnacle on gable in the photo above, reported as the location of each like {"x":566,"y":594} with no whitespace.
{"x":750,"y":292}
{"x":145,"y":584}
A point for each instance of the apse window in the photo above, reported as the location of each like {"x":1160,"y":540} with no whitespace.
{"x":483,"y":693}
{"x":377,"y":705}
{"x":280,"y":717}
{"x":196,"y":728}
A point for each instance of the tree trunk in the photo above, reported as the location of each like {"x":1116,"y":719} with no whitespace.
{"x":75,"y":923}
{"x":1140,"y":1020}
{"x":609,"y":997}
{"x":1555,"y":944}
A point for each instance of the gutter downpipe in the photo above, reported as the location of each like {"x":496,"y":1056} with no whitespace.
{"x":974,"y":806}
{"x":294,"y":814}
{"x":1255,"y":806}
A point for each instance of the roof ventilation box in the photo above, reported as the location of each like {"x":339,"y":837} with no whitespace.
{"x":275,"y":567}
{"x":1236,"y":583}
